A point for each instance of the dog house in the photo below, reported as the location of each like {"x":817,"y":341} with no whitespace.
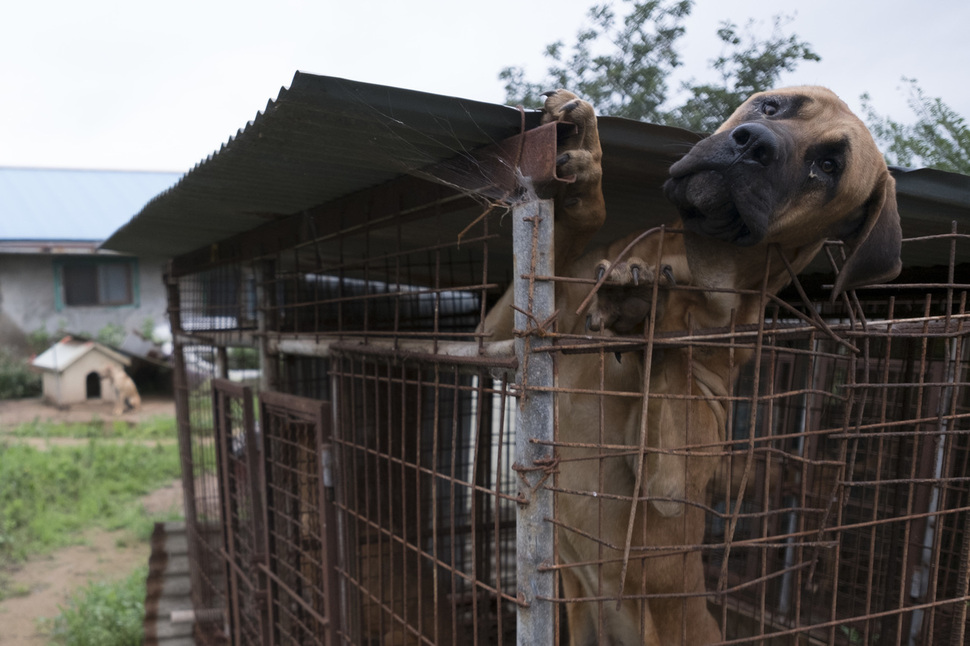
{"x":395,"y":476}
{"x":71,"y":371}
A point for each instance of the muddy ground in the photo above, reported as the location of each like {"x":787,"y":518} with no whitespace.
{"x":48,"y":580}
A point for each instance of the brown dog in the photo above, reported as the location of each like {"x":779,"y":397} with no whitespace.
{"x":787,"y":171}
{"x":126,"y":394}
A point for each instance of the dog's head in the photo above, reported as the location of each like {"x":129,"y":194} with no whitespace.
{"x":793,"y":167}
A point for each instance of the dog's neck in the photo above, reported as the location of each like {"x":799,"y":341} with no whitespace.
{"x":725,"y":269}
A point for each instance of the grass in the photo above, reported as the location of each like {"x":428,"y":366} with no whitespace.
{"x":50,"y":496}
{"x":47,"y":497}
{"x":103,"y":614}
{"x":157,"y":428}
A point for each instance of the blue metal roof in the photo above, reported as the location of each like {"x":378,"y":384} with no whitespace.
{"x":59,"y":204}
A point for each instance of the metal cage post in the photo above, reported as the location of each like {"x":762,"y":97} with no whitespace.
{"x":534,"y":305}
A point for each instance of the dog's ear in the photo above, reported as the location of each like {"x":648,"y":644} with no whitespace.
{"x":874,"y":246}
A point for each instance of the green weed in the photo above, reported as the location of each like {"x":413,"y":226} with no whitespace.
{"x":161,"y":427}
{"x":48,"y":497}
{"x":103,"y":614}
{"x":16,"y":379}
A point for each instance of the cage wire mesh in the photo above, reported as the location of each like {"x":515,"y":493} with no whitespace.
{"x":837,"y":513}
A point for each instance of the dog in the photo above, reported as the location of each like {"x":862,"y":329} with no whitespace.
{"x":126,"y":394}
{"x":787,"y":171}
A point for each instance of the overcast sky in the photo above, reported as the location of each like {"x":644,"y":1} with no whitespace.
{"x":147,"y":85}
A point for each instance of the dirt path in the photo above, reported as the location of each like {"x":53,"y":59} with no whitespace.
{"x":21,"y":411}
{"x":48,"y":580}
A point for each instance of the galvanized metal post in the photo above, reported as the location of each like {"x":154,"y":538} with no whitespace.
{"x":535,"y":303}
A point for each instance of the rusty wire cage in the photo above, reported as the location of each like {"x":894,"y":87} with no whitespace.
{"x":365,"y":466}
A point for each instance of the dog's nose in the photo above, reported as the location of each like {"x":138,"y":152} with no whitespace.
{"x":756,"y":142}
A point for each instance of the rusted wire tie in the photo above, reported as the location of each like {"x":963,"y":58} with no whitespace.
{"x":539,"y":328}
{"x":546,"y":466}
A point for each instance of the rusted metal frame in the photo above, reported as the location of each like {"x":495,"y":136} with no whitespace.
{"x":279,"y":405}
{"x":642,"y":449}
{"x":932,"y":541}
{"x":962,"y":614}
{"x":500,"y":596}
{"x":833,"y":624}
{"x":883,"y":395}
{"x":293,"y":231}
{"x":229,"y":338}
{"x":414,"y":290}
{"x":752,"y":426}
{"x":941,"y":471}
{"x":848,"y":448}
{"x":269,"y":378}
{"x":746,"y":542}
{"x":439,"y":563}
{"x":345,"y":489}
{"x":483,"y":301}
{"x":480,"y":509}
{"x":913,"y":500}
{"x":256,"y":489}
{"x":403,"y":355}
{"x":435,"y":529}
{"x":328,"y":521}
{"x":365,"y":337}
{"x":600,"y":484}
{"x":456,"y":445}
{"x":957,"y":638}
{"x":769,"y":522}
{"x":534,"y":301}
{"x":221,"y":421}
{"x":419,"y":520}
{"x":183,"y":419}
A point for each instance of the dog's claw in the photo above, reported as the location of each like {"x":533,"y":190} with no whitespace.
{"x":550,"y":93}
{"x":636,"y":276}
{"x":618,"y":356}
{"x":600,"y":272}
{"x":572,"y":105}
{"x":669,"y":273}
{"x":589,"y":321}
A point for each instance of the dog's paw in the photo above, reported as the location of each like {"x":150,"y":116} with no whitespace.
{"x":578,"y":154}
{"x":625,"y":300}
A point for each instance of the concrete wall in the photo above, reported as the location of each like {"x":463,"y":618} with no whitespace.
{"x":28,"y":303}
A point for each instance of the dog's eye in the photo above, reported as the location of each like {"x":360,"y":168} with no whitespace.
{"x":828,"y":166}
{"x":769,"y":108}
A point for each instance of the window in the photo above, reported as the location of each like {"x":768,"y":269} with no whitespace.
{"x":101,"y":282}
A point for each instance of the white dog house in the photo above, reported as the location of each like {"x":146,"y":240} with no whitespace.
{"x":72,"y":371}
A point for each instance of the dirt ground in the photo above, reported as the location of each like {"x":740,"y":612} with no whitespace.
{"x":20,"y":411}
{"x":48,"y":580}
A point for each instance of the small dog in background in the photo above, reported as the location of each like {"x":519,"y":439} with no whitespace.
{"x":126,"y":394}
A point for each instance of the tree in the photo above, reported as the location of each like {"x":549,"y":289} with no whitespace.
{"x":623,"y":66}
{"x":940,"y":138}
{"x":746,"y":66}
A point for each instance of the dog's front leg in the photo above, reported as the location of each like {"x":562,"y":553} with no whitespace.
{"x":579,"y":205}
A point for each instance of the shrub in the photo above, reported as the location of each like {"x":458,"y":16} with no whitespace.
{"x":103,"y":614}
{"x":16,"y":378}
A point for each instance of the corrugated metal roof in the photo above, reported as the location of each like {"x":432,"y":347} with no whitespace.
{"x":60,"y":204}
{"x":320,"y":139}
{"x":324,"y":138}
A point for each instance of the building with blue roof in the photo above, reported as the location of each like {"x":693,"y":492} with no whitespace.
{"x":53,"y":274}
